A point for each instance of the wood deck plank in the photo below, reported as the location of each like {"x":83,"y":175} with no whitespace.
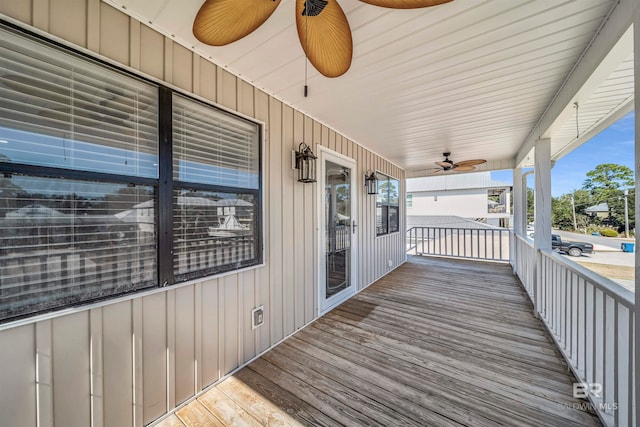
{"x":436,"y":342}
{"x":171,"y":421}
{"x":196,"y":415}
{"x":227,"y":410}
{"x":261,"y":408}
{"x":295,"y":407}
{"x":384,"y":410}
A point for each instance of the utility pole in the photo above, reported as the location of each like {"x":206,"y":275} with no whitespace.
{"x":626,"y":213}
{"x":573,"y":208}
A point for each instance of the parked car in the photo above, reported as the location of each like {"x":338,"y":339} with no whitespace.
{"x":572,"y":248}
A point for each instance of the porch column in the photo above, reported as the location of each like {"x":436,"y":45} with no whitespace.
{"x":636,"y":66}
{"x":518,"y":215}
{"x":542,"y":235}
{"x":543,"y":194}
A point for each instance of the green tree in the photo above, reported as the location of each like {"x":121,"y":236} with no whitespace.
{"x":606,"y":184}
{"x":562,"y":212}
{"x":530,"y":205}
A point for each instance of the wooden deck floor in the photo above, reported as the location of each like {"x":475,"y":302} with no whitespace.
{"x":436,"y":342}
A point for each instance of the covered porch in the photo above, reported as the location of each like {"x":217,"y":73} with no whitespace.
{"x":431,"y":341}
{"x":436,"y":342}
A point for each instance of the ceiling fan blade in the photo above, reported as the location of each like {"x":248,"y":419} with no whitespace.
{"x":445,"y":165}
{"x":325,"y":36}
{"x":463,"y":168}
{"x":471,"y":162}
{"x":220,"y":22}
{"x":405,"y":4}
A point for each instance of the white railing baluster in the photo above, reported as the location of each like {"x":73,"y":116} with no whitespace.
{"x":591,"y":320}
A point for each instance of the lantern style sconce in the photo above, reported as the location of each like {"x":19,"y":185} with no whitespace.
{"x":305,"y":163}
{"x":371,"y":182}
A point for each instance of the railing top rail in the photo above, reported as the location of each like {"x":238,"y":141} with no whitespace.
{"x":524,"y":239}
{"x":607,"y":286}
{"x":502,"y":230}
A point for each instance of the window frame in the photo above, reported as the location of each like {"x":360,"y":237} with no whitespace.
{"x":163,"y":185}
{"x":388,"y":205}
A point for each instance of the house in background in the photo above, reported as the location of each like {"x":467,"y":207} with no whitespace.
{"x":600,"y":210}
{"x":472,"y":196}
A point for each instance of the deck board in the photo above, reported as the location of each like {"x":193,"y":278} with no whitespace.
{"x":436,"y":342}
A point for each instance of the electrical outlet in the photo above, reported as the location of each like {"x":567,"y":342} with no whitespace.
{"x":257,"y":317}
{"x":390,"y":263}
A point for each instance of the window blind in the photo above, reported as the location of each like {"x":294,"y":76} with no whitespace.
{"x":60,"y":110}
{"x":214,"y":147}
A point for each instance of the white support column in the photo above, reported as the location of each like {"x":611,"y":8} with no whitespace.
{"x":518,"y":215}
{"x":542,"y":188}
{"x":525,"y":200}
{"x":517,"y":218}
{"x":543,"y":194}
{"x":636,"y":54}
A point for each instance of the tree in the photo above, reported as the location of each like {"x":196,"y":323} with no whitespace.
{"x":606,"y":183}
{"x":562,"y":212}
{"x":530,"y":205}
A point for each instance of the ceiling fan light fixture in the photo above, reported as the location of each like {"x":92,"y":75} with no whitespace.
{"x":447,"y":165}
{"x":323,"y":28}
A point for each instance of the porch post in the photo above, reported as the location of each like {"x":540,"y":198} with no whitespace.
{"x":517,"y":218}
{"x":542,"y":235}
{"x":518,"y":215}
{"x":636,"y":336}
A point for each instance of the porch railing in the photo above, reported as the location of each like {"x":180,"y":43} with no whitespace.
{"x":591,"y":321}
{"x":475,"y":243}
{"x":524,"y":259}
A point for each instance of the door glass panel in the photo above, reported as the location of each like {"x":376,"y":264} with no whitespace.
{"x":338,"y":230}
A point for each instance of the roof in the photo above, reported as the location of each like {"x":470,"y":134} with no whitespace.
{"x":602,"y":207}
{"x":445,"y":221}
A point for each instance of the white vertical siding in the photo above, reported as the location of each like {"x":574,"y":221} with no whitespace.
{"x":18,"y":361}
{"x":117,"y":363}
{"x":128,"y":363}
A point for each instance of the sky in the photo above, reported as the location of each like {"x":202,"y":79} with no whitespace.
{"x":613,"y":145}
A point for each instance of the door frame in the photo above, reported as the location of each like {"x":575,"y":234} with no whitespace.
{"x":324,"y":305}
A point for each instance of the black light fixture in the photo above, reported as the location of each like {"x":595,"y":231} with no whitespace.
{"x":371,"y":182}
{"x":305,"y":163}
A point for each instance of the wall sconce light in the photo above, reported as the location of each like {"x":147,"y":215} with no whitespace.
{"x":305,"y":163}
{"x":371,"y":182}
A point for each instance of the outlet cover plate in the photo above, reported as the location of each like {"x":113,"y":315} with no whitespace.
{"x":257,"y":317}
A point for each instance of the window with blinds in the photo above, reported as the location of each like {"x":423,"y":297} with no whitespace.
{"x":217,"y":176}
{"x":387,"y":205}
{"x":91,"y":206}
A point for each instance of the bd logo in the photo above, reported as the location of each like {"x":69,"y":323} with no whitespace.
{"x":584,"y":390}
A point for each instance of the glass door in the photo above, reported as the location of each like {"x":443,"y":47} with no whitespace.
{"x":338,"y":230}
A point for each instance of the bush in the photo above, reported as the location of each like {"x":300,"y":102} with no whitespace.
{"x":608,"y":232}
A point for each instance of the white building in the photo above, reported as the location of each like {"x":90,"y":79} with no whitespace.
{"x":473,"y":196}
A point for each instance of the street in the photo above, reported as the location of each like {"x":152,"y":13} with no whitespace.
{"x":606,"y":257}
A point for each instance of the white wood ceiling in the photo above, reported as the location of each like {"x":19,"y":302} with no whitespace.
{"x":471,"y":77}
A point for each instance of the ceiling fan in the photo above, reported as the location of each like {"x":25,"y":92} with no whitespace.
{"x":464,"y":166}
{"x":323,"y":28}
